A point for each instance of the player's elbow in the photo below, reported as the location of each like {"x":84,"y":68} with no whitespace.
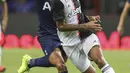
{"x":60,"y":26}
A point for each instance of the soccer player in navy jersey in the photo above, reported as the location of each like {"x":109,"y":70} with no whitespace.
{"x":3,"y":25}
{"x":48,"y":39}
{"x":120,"y":27}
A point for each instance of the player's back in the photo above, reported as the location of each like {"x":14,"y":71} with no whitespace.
{"x":47,"y":26}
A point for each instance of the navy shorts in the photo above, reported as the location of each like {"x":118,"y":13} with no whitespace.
{"x":49,"y":44}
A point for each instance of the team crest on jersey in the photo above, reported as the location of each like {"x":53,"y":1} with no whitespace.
{"x":74,"y":12}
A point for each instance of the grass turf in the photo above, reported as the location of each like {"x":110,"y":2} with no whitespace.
{"x":119,"y":60}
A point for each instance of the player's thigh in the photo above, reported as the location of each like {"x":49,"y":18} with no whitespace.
{"x":91,"y":69}
{"x":56,"y":56}
{"x":91,"y":45}
{"x":78,"y":58}
{"x":52,"y":48}
{"x":48,"y":44}
{"x":95,"y":53}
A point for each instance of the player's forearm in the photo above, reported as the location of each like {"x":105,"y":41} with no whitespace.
{"x":5,"y":11}
{"x":4,"y":16}
{"x":70,"y":27}
{"x":122,"y":18}
{"x":124,"y":14}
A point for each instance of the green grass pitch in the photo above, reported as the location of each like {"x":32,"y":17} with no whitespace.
{"x":119,"y":60}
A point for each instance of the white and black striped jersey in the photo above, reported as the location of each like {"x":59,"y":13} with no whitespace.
{"x":70,"y":12}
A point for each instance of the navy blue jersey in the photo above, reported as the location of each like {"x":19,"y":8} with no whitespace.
{"x":47,"y":26}
{"x":47,"y":30}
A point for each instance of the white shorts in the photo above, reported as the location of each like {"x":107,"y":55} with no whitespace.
{"x":90,"y":42}
{"x":79,"y":56}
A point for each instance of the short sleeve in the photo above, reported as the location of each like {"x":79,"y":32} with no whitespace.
{"x":58,"y":11}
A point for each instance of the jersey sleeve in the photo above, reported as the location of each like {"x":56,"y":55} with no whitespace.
{"x":58,"y":11}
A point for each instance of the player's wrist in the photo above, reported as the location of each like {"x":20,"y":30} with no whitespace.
{"x":82,"y":27}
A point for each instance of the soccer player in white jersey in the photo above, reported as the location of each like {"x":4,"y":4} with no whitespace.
{"x":4,"y":24}
{"x":72,"y":24}
{"x":123,"y":16}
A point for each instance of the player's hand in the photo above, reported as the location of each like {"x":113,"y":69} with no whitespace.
{"x":120,"y":29}
{"x":93,"y":26}
{"x":94,"y":18}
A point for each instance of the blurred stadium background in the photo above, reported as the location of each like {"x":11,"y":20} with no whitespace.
{"x":20,"y":36}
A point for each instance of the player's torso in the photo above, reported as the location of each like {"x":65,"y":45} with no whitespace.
{"x":47,"y":25}
{"x":72,"y":11}
{"x":73,"y":15}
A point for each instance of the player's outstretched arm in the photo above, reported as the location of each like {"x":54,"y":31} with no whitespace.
{"x":4,"y":14}
{"x":122,"y":17}
{"x":59,"y":16}
{"x":92,"y":26}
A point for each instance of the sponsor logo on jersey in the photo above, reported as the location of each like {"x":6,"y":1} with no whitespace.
{"x":74,"y":12}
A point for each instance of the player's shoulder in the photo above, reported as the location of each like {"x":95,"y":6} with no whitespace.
{"x":129,"y":1}
{"x":57,"y":3}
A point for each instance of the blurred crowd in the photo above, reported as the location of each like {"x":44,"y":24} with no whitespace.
{"x":25,"y":6}
{"x":20,"y":6}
